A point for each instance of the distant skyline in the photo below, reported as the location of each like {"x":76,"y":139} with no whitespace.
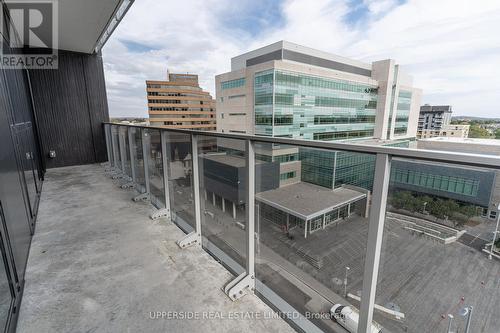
{"x":449,"y":47}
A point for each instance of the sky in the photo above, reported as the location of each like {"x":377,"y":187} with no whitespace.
{"x":450,"y":47}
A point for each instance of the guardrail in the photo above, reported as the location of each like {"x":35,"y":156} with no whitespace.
{"x":177,"y":169}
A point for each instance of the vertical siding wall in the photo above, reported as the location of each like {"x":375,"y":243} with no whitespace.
{"x":71,"y":104}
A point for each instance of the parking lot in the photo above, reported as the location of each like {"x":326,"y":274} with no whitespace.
{"x":420,"y":277}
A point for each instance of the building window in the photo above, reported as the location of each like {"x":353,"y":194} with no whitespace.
{"x":233,"y":84}
{"x":288,"y":175}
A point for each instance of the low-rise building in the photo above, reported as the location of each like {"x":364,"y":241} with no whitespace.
{"x":180,"y":102}
{"x":452,"y":131}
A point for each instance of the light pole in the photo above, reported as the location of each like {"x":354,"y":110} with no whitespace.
{"x":450,"y":317}
{"x":345,"y":280}
{"x":467,"y":311}
{"x":495,"y":232}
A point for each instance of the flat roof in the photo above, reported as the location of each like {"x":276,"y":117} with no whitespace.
{"x":308,"y":201}
{"x":239,"y":62}
{"x":474,"y":141}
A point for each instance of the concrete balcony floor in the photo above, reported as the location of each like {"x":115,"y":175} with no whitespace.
{"x":99,"y":264}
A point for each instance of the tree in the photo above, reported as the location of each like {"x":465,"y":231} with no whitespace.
{"x":469,"y":211}
{"x":476,"y":131}
{"x":497,"y":134}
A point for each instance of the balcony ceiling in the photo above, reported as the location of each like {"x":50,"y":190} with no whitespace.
{"x":81,"y":23}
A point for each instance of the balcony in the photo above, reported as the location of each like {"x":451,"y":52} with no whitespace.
{"x":99,"y":263}
{"x":300,"y":248}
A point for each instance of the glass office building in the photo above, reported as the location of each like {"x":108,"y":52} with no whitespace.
{"x":296,"y":105}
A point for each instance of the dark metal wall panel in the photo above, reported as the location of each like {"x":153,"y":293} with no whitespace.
{"x":71,"y":104}
{"x":97,"y":102}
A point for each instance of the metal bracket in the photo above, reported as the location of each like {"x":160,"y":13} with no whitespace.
{"x":240,"y":286}
{"x":141,"y":197}
{"x":110,"y":170}
{"x":160,"y":213}
{"x":118,"y":176}
{"x":190,"y":239}
{"x":128,"y":185}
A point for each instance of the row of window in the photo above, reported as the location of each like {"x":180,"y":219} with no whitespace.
{"x":266,"y":119}
{"x":344,"y":103}
{"x":319,"y":120}
{"x":294,"y":80}
{"x":155,"y":108}
{"x":173,"y":101}
{"x":327,"y":136}
{"x":233,"y":84}
{"x":288,"y":175}
{"x":400,"y":130}
{"x":459,"y":185}
{"x":165,"y":86}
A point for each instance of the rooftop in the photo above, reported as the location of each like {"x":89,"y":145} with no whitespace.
{"x":276,"y":51}
{"x":472,"y":141}
{"x":307,"y":200}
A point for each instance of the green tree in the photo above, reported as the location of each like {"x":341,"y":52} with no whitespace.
{"x":478,"y":132}
{"x":469,"y":211}
{"x":497,"y":134}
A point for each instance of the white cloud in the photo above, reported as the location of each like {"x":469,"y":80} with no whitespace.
{"x":450,"y":47}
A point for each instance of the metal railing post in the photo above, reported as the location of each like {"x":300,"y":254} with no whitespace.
{"x":132,"y":153}
{"x":108,"y":143}
{"x":374,"y":242}
{"x":145,"y":155}
{"x":245,"y":282}
{"x":250,"y":209}
{"x":113,"y":145}
{"x":196,"y":185}
{"x":121,"y":148}
{"x":164,"y":212}
{"x":194,"y":238}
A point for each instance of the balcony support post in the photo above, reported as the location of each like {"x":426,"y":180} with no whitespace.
{"x":109,"y":164}
{"x":245,"y":283}
{"x":194,"y":238}
{"x":164,"y":212}
{"x":131,"y":183}
{"x":374,"y":242}
{"x":115,"y":170}
{"x":132,"y":153}
{"x":121,"y":145}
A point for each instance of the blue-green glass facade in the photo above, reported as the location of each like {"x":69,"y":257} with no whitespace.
{"x":296,"y":105}
{"x":402,"y":112}
{"x":233,"y":83}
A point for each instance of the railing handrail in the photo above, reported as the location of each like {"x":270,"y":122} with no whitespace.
{"x":468,"y":159}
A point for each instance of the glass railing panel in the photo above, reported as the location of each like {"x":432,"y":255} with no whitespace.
{"x":437,"y":238}
{"x":126,"y":151}
{"x":312,"y":217}
{"x":222,"y":166}
{"x":138,"y":159}
{"x":155,"y":168}
{"x":116,"y":147}
{"x":180,"y":179}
